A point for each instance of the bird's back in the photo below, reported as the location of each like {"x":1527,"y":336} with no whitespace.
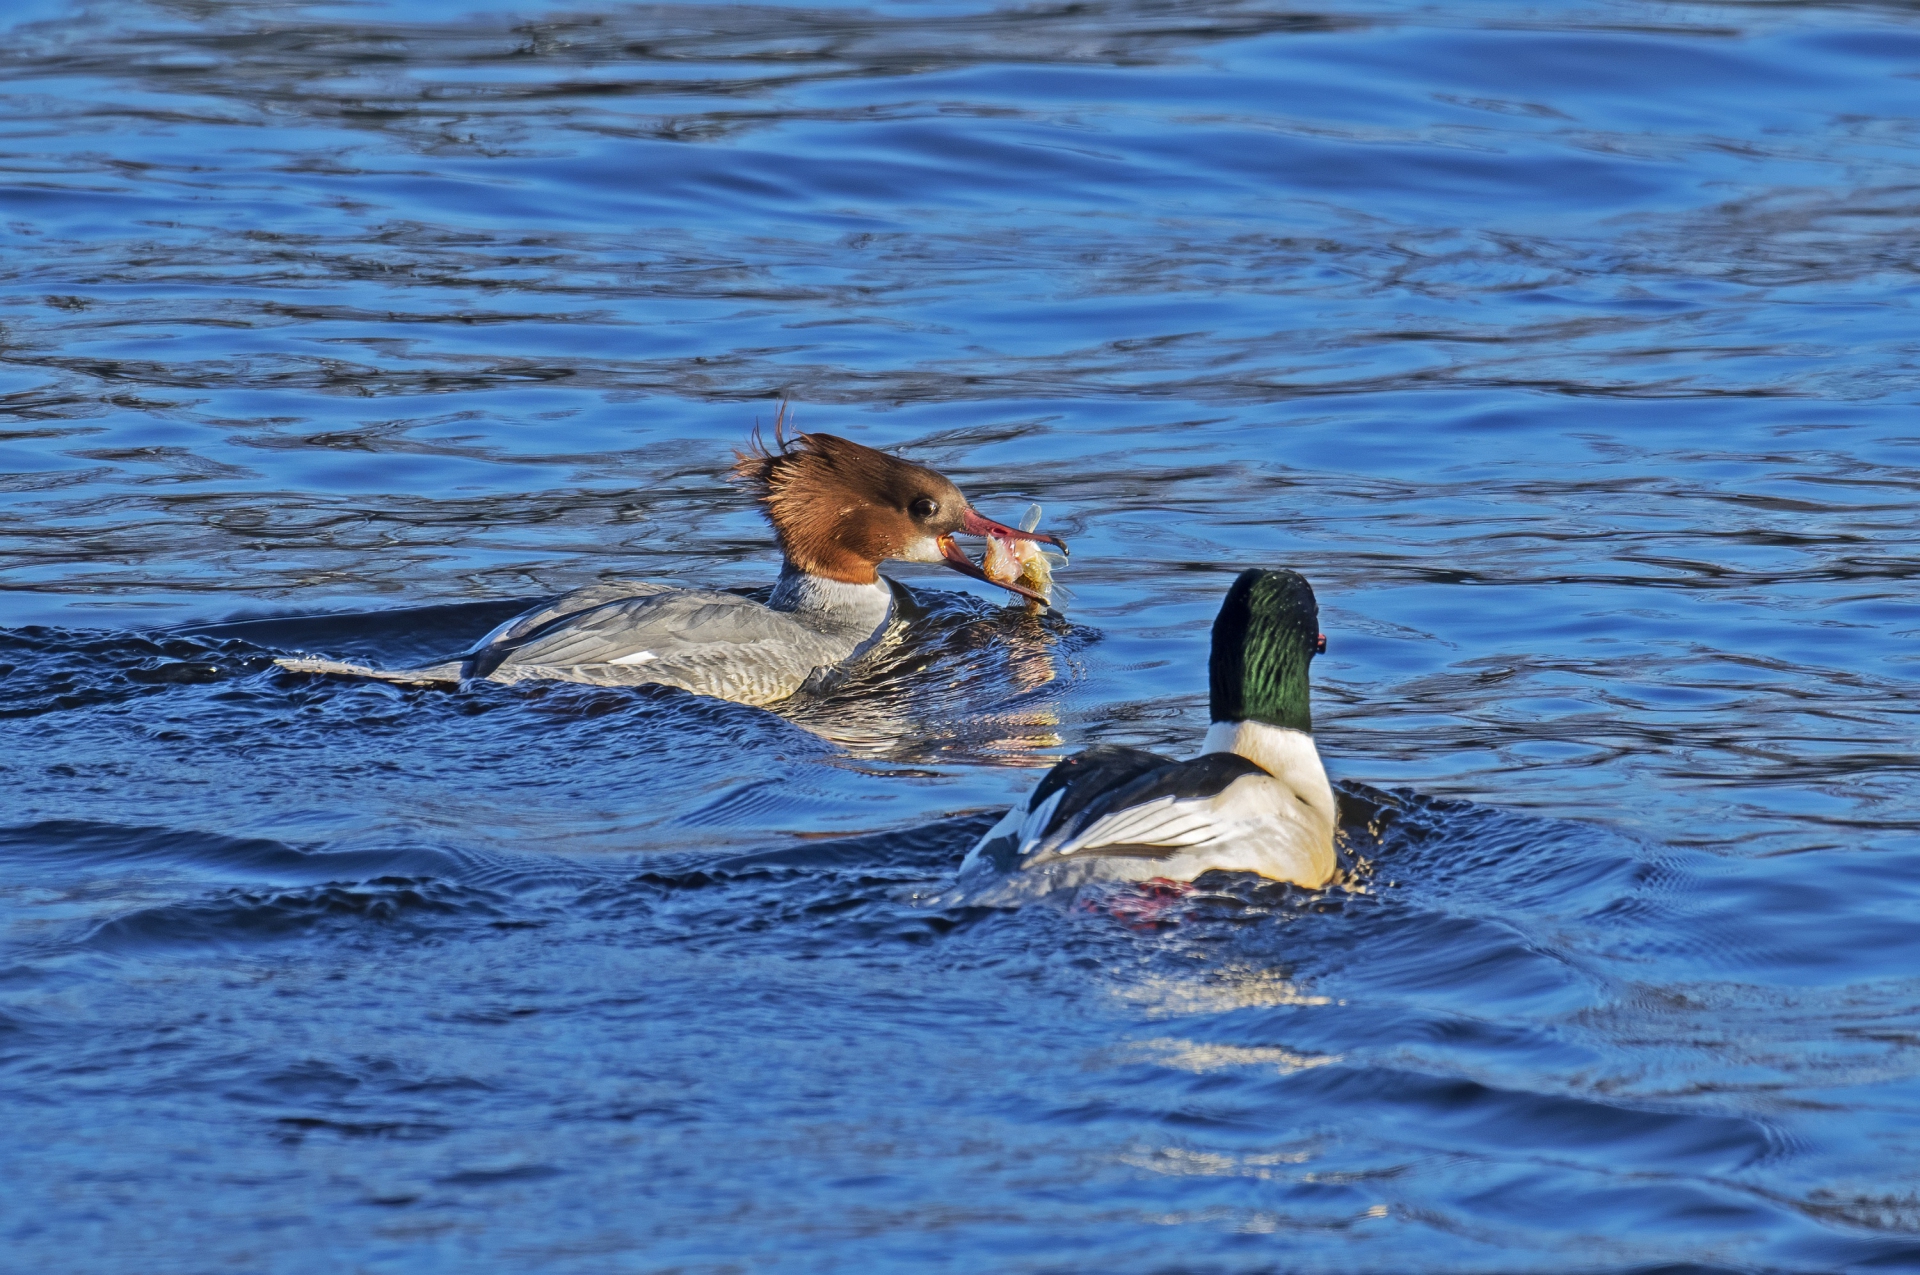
{"x":635,"y":633}
{"x":1114,"y":813}
{"x":700,"y":640}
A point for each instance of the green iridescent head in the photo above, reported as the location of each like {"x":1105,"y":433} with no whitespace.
{"x":1265,"y":636}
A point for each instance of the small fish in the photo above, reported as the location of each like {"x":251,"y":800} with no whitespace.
{"x":1009,"y":561}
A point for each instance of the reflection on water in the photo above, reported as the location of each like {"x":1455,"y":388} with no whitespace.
{"x":1217,"y":989}
{"x":1200,"y":1057}
{"x":952,"y":674}
{"x":1565,"y":348}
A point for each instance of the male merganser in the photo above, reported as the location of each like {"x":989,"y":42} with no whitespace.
{"x":1255,"y":800}
{"x":838,"y":509}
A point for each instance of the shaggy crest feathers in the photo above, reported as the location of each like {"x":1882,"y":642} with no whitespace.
{"x":753,"y":466}
{"x":839,"y":507}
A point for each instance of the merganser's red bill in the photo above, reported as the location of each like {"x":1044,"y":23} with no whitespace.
{"x":974,"y":525}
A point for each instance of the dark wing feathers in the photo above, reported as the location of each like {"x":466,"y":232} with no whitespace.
{"x":1079,"y":780}
{"x":1124,"y":783}
{"x":1090,"y":775}
{"x":1132,"y":850}
{"x":1205,"y":776}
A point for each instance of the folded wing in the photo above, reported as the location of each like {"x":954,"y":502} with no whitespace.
{"x":1157,"y":814}
{"x":1119,"y":802}
{"x":710,"y":643}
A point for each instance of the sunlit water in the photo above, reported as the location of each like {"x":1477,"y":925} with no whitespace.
{"x":1569,"y":351}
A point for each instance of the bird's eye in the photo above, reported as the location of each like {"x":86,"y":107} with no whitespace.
{"x":924,"y":508}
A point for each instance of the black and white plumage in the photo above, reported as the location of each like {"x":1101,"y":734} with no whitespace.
{"x":1124,"y":814}
{"x":1256,"y":799}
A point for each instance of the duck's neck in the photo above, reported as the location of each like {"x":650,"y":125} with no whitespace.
{"x":835,"y":601}
{"x":1287,"y":755}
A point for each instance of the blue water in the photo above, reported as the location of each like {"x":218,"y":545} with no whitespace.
{"x":1569,"y":350}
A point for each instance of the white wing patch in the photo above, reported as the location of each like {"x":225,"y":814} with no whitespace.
{"x":1180,"y":823}
{"x":1174,"y":822}
{"x":1019,"y":823}
{"x":638,"y":657}
{"x":1036,"y":821}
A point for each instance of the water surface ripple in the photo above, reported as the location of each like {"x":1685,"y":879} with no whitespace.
{"x":1568,"y":349}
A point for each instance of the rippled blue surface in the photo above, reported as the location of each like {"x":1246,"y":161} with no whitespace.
{"x":1569,"y":350}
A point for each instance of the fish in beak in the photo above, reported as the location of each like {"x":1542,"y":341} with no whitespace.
{"x":973,"y":524}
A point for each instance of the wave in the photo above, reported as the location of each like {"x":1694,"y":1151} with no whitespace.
{"x":410,"y":905}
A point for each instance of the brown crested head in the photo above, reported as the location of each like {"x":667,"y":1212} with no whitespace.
{"x":840,"y":508}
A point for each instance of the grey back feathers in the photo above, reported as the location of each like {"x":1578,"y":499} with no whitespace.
{"x":632,"y":633}
{"x":710,"y":643}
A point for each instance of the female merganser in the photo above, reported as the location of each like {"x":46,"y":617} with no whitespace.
{"x":838,"y":509}
{"x":1255,"y":800}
